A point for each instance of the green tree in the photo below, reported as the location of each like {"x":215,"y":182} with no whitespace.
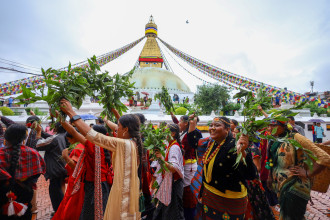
{"x":211,"y":97}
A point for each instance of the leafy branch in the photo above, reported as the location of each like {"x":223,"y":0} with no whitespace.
{"x":252,"y":127}
{"x":165,"y":98}
{"x":75,"y":84}
{"x":154,"y":140}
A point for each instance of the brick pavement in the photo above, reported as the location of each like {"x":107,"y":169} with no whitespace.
{"x":316,"y":211}
{"x":43,"y":200}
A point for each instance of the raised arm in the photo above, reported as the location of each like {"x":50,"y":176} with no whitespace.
{"x":66,"y":107}
{"x":101,"y":140}
{"x":174,"y":118}
{"x":116,"y":113}
{"x":111,"y":125}
{"x":262,"y":111}
{"x":70,"y":129}
{"x":6,"y":121}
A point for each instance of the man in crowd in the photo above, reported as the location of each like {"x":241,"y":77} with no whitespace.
{"x":298,"y":128}
{"x":319,"y":132}
{"x":55,"y":167}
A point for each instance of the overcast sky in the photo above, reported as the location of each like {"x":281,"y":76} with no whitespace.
{"x":282,"y":43}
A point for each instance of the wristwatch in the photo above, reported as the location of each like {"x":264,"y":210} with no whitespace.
{"x":75,"y":118}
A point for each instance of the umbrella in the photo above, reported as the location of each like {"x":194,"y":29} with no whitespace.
{"x":316,"y":120}
{"x":145,"y":93}
{"x":88,"y":117}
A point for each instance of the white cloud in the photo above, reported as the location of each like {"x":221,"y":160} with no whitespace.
{"x":277,"y":42}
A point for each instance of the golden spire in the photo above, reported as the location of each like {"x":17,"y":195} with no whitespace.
{"x":151,"y":28}
{"x":151,"y":55}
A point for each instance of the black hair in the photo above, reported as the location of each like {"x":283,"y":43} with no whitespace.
{"x":100,"y":128}
{"x":234,"y":122}
{"x":291,"y":118}
{"x":225,"y":121}
{"x":15,"y":135}
{"x":68,"y":135}
{"x":132,"y":122}
{"x":100,"y":120}
{"x":185,"y":118}
{"x":59,"y":129}
{"x":141,"y":117}
{"x":32,"y":119}
{"x":175,"y":128}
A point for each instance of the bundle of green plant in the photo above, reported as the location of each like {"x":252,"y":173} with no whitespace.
{"x":165,"y":98}
{"x":75,"y":84}
{"x":154,"y":140}
{"x":70,"y":85}
{"x":109,"y":89}
{"x":251,"y":126}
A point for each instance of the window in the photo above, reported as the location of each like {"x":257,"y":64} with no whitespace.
{"x":310,"y":127}
{"x":328,"y":127}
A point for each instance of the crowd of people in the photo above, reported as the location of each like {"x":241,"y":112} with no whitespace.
{"x":104,"y":172}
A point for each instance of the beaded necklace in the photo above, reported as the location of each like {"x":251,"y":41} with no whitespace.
{"x":207,"y":159}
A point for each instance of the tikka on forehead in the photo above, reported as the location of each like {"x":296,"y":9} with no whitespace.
{"x":217,"y":119}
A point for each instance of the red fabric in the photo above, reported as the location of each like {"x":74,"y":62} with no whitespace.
{"x":146,"y":176}
{"x":176,"y":176}
{"x":90,"y":162}
{"x":71,"y":205}
{"x":188,"y":199}
{"x":30,"y":163}
{"x":74,"y":155}
{"x":175,"y":119}
{"x":151,"y":60}
{"x":189,"y":152}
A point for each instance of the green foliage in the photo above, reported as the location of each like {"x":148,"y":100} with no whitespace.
{"x":60,"y":84}
{"x":192,"y":108}
{"x":251,"y":125}
{"x":35,"y":110}
{"x":184,"y":105}
{"x":109,"y":89}
{"x":314,"y":108}
{"x":154,"y":141}
{"x":75,"y":84}
{"x":231,"y":107}
{"x":6,"y":111}
{"x":180,"y":111}
{"x":211,"y":97}
{"x":165,"y":98}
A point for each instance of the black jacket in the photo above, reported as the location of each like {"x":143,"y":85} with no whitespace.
{"x":224,"y":175}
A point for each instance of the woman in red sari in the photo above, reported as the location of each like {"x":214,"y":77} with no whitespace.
{"x":89,"y":180}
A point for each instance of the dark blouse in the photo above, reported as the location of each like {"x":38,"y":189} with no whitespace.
{"x":189,"y":150}
{"x":224,"y":175}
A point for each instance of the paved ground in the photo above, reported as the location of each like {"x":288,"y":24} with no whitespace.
{"x":43,"y":200}
{"x":316,"y":211}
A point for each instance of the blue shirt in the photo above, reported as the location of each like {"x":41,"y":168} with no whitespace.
{"x":319,"y":131}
